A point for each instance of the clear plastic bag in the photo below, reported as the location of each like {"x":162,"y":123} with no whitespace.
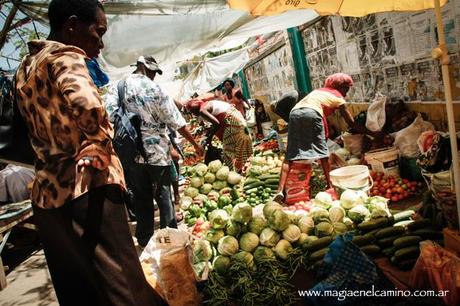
{"x":437,"y":269}
{"x":376,"y":115}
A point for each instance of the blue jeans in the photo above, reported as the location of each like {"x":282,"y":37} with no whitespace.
{"x":151,"y":182}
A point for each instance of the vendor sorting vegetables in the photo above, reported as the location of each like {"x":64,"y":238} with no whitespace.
{"x":229,"y":126}
{"x":308,"y":130}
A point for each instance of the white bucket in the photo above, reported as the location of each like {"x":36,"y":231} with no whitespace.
{"x":384,"y":160}
{"x":266,"y":127}
{"x":351,"y":177}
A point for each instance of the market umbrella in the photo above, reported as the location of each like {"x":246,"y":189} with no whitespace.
{"x":359,"y":8}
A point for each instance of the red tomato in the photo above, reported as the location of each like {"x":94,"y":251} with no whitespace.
{"x":405,"y":181}
{"x":388,"y":195}
{"x":395,"y":198}
{"x":199,"y":221}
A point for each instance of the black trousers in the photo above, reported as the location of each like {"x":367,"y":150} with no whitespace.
{"x":90,"y":252}
{"x":151,"y":182}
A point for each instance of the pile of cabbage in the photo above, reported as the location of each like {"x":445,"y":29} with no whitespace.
{"x":353,"y":208}
{"x":250,"y":234}
{"x":212,"y":186}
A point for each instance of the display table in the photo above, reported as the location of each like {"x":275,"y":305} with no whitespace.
{"x":11,"y":215}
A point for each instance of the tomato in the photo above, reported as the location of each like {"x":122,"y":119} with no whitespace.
{"x":199,"y":221}
{"x":405,"y":181}
{"x":404,"y":186}
{"x":388,"y":195}
{"x":383,"y":190}
{"x":395,"y":198}
{"x":413,"y":188}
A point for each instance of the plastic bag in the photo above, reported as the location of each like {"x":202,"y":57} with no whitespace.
{"x":437,"y":269}
{"x":376,"y":115}
{"x":406,"y":139}
{"x":353,"y":143}
{"x":297,"y":187}
{"x":167,"y":262}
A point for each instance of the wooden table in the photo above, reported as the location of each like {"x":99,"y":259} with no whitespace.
{"x":11,"y":215}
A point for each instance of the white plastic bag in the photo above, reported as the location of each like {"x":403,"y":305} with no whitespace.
{"x":406,"y":139}
{"x":167,"y":264}
{"x":376,"y":116}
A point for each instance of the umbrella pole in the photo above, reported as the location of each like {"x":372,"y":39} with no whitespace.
{"x":441,"y":53}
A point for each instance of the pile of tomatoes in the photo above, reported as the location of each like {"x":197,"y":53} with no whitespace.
{"x":392,"y":187}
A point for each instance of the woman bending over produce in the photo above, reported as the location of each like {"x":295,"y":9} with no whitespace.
{"x":229,"y":126}
{"x":308,"y":130}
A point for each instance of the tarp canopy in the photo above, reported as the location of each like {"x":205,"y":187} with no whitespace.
{"x":176,"y":30}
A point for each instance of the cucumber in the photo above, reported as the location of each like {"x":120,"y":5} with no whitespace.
{"x":418,"y":224}
{"x":319,"y":244}
{"x":404,"y":223}
{"x":272,"y":187}
{"x":370,"y":249}
{"x":253,"y":185}
{"x":362,"y":240}
{"x":269,"y":176}
{"x":251,"y":191}
{"x":373,"y":224}
{"x":390,"y":231}
{"x":373,"y":232}
{"x":406,"y":253}
{"x":407,"y":241}
{"x":275,"y":170}
{"x":407,"y":264}
{"x":428,"y":233}
{"x":403,"y":215}
{"x":250,"y":180}
{"x":272,"y":181}
{"x":318,"y":255}
{"x":387,"y":242}
{"x":388,"y":252}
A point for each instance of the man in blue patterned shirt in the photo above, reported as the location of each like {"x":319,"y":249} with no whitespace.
{"x":158,"y":112}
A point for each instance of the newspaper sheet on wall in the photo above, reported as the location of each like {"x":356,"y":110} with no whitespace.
{"x":386,"y":52}
{"x":273,"y":75}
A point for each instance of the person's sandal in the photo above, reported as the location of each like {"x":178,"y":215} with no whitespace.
{"x":279,"y":197}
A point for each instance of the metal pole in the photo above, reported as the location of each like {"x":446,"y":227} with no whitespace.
{"x":300,"y":61}
{"x":442,"y":54}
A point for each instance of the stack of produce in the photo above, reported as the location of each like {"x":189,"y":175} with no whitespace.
{"x":210,"y":187}
{"x":393,"y":188}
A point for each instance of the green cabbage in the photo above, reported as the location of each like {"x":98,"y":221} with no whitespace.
{"x":283,"y":249}
{"x":324,"y":229}
{"x":269,"y":237}
{"x":215,"y":165}
{"x":249,"y":241}
{"x":196,"y":182}
{"x":323,"y":199}
{"x":234,"y":178}
{"x":379,"y":212}
{"x":257,"y":224}
{"x":222,"y":174}
{"x":349,"y":199}
{"x":336,"y":214}
{"x":306,"y":224}
{"x":339,"y":228}
{"x":358,"y":213}
{"x":262,"y":253}
{"x":221,"y":264}
{"x":291,"y":233}
{"x":227,"y":246}
{"x":201,"y":169}
{"x":218,"y":218}
{"x":244,"y":257}
{"x":233,"y":228}
{"x":270,"y":207}
{"x":209,"y":177}
{"x":202,"y":251}
{"x":206,"y":188}
{"x":218,"y":185}
{"x":213,"y":235}
{"x":319,"y":214}
{"x":279,"y":220}
{"x":191,"y":192}
{"x":242,"y":213}
{"x":185,"y":202}
{"x":224,"y":201}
